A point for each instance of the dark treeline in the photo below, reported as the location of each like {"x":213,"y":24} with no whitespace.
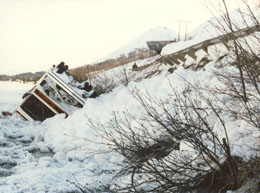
{"x":25,"y":77}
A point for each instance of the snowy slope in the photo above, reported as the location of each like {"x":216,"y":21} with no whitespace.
{"x":156,"y":34}
{"x":208,"y":30}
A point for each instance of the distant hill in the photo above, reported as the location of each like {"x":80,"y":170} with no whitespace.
{"x":156,"y":34}
{"x":136,"y":49}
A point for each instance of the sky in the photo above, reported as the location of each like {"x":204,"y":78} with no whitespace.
{"x":35,"y":34}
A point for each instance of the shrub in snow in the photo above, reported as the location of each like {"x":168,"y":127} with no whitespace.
{"x":202,"y":151}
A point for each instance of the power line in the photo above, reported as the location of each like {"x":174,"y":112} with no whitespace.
{"x":186,"y":28}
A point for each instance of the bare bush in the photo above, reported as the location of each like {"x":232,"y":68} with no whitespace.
{"x":242,"y":82}
{"x":89,"y":71}
{"x":103,"y":84}
{"x":150,"y":146}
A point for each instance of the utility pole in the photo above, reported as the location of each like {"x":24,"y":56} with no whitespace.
{"x":186,"y":28}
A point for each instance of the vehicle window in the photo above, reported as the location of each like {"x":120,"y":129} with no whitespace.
{"x":36,"y":109}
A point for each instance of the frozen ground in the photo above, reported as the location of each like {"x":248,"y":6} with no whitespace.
{"x":54,"y":155}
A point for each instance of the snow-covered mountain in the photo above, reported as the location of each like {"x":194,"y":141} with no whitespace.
{"x":156,"y":34}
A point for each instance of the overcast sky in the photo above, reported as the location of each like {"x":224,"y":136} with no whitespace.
{"x":34,"y":34}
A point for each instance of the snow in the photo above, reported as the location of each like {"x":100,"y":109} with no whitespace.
{"x":65,"y":146}
{"x":53,"y":155}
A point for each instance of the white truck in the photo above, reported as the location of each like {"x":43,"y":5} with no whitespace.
{"x":56,"y":92}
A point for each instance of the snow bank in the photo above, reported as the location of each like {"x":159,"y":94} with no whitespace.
{"x":72,"y":142}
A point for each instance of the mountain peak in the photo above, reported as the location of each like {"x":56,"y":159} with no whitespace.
{"x":155,"y":34}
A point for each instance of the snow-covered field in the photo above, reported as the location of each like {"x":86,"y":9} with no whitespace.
{"x":11,"y":94}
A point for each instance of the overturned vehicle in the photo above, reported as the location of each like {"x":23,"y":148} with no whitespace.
{"x":56,"y":92}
